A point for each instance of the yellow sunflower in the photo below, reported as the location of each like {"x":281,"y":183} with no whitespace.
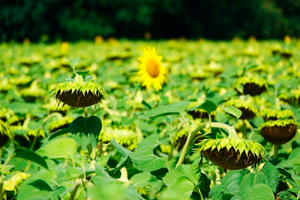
{"x":151,"y":71}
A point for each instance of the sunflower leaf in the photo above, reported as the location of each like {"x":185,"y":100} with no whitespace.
{"x":175,"y":108}
{"x":233,"y":111}
{"x":209,"y":106}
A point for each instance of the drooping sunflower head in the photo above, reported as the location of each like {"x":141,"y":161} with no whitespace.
{"x":59,"y":124}
{"x":279,"y":131}
{"x":79,"y":93}
{"x":248,"y":110}
{"x":33,"y":92}
{"x":252,"y":85}
{"x":232,"y":153}
{"x":269,"y":114}
{"x":151,"y":71}
{"x":5,"y":133}
{"x":125,"y":137}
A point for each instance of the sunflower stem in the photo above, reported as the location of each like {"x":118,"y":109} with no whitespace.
{"x":188,"y":142}
{"x":231,"y":134}
{"x":85,"y":112}
{"x":72,"y":197}
{"x":10,"y":155}
{"x":275,"y":151}
{"x":134,"y":97}
{"x":244,"y":129}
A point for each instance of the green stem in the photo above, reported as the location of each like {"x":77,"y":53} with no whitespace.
{"x":188,"y":142}
{"x":275,"y":150}
{"x":231,"y":134}
{"x":90,"y":149}
{"x":72,"y":197}
{"x":85,"y":112}
{"x":244,"y":129}
{"x":200,"y":193}
{"x":2,"y":174}
{"x":133,"y":106}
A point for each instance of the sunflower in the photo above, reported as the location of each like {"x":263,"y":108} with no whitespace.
{"x":151,"y":71}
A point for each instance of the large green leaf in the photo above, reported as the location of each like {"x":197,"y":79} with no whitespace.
{"x":143,"y":157}
{"x":175,"y":108}
{"x":259,"y":191}
{"x":90,"y":125}
{"x":59,"y":148}
{"x":231,"y":182}
{"x":191,"y":172}
{"x":30,"y":155}
{"x":39,"y":186}
{"x":272,"y":175}
{"x":181,"y":189}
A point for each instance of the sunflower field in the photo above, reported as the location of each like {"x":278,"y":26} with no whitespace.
{"x":137,"y":120}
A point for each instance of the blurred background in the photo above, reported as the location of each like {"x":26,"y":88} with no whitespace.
{"x":73,"y":20}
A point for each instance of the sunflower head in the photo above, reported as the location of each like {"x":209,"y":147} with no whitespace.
{"x":15,"y":181}
{"x":79,"y":93}
{"x":125,"y":137}
{"x":5,"y":133}
{"x":248,"y":110}
{"x":232,"y":153}
{"x":5,"y":86}
{"x":33,"y":92}
{"x":151,"y":71}
{"x":279,"y":131}
{"x":269,"y":114}
{"x":59,"y":124}
{"x":252,"y":85}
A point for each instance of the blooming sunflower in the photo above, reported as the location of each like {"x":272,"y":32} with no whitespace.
{"x":151,"y":71}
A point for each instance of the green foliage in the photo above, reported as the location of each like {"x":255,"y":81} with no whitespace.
{"x":31,"y":156}
{"x":90,"y":125}
{"x":59,"y":148}
{"x":175,"y":108}
{"x":76,"y":162}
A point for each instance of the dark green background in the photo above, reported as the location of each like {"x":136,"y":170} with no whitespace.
{"x":212,"y":19}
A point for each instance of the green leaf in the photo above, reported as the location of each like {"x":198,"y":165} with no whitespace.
{"x":233,"y":111}
{"x":57,"y":134}
{"x":103,"y":190}
{"x":90,"y":125}
{"x":181,"y":189}
{"x":41,"y":185}
{"x":125,"y":152}
{"x":145,"y":179}
{"x":175,"y":108}
{"x":191,"y":172}
{"x":74,"y":62}
{"x":32,"y":188}
{"x":272,"y":176}
{"x":144,"y":159}
{"x":259,"y":191}
{"x":30,"y":155}
{"x":59,"y":148}
{"x":232,"y":180}
{"x":83,"y":73}
{"x":292,"y":160}
{"x":204,"y":184}
{"x":209,"y":106}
